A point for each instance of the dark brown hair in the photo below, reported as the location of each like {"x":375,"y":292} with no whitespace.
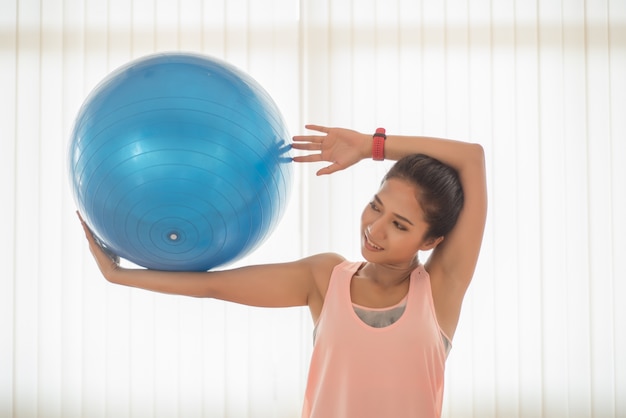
{"x":439,"y":190}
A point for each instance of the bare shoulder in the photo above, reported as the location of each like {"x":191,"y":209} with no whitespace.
{"x":325,"y":260}
{"x":322,"y":266}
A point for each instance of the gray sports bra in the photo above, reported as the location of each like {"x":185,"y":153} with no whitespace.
{"x":383,"y":317}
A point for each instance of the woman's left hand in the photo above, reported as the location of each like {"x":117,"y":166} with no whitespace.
{"x":107,"y":262}
{"x":341,"y":147}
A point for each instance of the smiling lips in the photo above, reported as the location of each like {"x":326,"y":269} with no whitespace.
{"x":370,"y":244}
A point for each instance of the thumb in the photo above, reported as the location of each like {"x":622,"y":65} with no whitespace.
{"x":334,"y":167}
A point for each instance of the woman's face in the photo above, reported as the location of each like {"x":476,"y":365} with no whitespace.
{"x":392,"y":225}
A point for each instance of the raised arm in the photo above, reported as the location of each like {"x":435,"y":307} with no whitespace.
{"x":298,"y":283}
{"x":344,"y":147}
{"x":452,"y":263}
{"x":455,"y":258}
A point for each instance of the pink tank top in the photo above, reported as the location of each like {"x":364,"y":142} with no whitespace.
{"x":360,"y":371}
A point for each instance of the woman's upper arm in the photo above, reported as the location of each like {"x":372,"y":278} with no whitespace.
{"x":452,"y":263}
{"x":456,"y":257}
{"x":297,"y":283}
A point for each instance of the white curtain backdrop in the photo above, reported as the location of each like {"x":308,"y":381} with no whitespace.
{"x":540,"y":84}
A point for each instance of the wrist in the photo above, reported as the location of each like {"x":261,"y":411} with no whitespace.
{"x":378,"y":144}
{"x":114,"y":273}
{"x":365,"y":150}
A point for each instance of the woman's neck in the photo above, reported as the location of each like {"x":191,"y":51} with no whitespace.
{"x":388,"y":276}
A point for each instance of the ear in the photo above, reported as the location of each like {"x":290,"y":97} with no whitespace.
{"x":430,"y":243}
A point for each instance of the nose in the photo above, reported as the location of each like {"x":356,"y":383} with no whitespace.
{"x":375,"y":229}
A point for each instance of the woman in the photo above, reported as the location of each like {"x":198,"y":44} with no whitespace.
{"x":383,"y":326}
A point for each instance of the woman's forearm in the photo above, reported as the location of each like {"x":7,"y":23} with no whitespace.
{"x":456,"y":154}
{"x":179,"y":283}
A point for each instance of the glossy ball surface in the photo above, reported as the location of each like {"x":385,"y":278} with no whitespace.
{"x":180,"y":162}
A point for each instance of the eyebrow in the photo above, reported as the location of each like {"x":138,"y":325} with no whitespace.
{"x":402,"y":218}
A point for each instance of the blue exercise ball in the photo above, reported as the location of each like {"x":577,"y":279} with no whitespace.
{"x":180,"y":162}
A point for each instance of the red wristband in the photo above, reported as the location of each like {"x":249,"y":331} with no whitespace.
{"x":378,"y":145}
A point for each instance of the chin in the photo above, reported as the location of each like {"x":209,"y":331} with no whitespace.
{"x":369,"y":256}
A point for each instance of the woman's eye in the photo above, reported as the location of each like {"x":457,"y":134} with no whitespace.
{"x":400,"y":226}
{"x":373,"y":206}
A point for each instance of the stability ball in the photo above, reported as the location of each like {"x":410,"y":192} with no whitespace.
{"x":180,"y":162}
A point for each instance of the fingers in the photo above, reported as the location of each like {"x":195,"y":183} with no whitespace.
{"x":312,"y":138}
{"x":95,"y":245}
{"x":316,"y":143}
{"x":308,"y":146}
{"x":312,"y":158}
{"x":308,"y":143}
{"x":318,"y":128}
{"x":88,"y":233}
{"x":317,"y":158}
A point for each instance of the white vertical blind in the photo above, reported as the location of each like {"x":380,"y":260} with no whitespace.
{"x":540,"y":85}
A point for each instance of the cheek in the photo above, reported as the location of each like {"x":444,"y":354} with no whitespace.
{"x":410,"y":239}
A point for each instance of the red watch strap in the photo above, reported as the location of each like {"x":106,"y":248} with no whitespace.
{"x":378,"y":144}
